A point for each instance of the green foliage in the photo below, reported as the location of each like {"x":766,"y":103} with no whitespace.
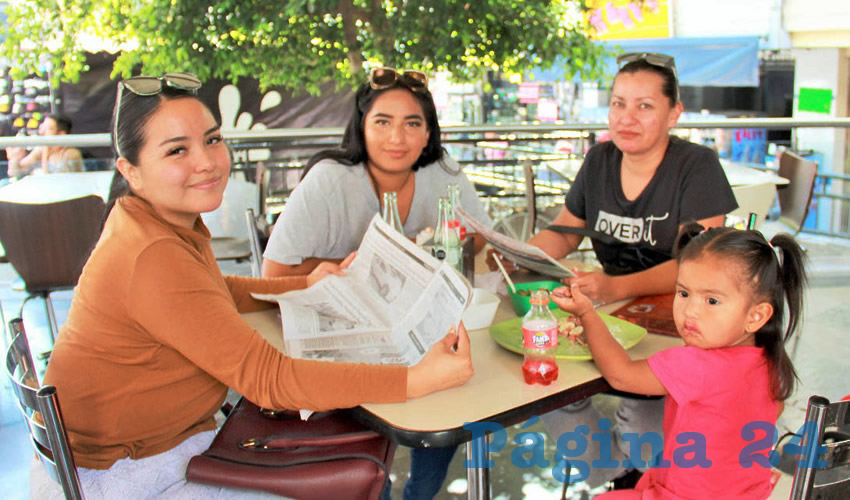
{"x":301,"y":44}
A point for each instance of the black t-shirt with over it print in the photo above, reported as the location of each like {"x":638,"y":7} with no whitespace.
{"x":689,"y":185}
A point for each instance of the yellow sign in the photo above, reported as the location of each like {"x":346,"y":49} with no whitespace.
{"x":623,"y":19}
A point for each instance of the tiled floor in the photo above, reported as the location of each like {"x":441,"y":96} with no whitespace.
{"x":821,"y":360}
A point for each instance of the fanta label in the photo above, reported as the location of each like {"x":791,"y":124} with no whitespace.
{"x":540,"y":339}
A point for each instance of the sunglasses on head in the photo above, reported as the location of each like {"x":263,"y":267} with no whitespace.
{"x":653,"y":58}
{"x":384,"y":78}
{"x":152,"y":85}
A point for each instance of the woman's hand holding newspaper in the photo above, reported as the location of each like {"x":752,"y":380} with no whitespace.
{"x":448,"y":364}
{"x":326,"y":268}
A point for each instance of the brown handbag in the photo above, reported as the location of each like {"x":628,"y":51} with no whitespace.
{"x":327,"y":456}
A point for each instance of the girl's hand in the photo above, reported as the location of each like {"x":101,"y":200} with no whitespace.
{"x":595,"y":284}
{"x":326,"y":268}
{"x":572,"y":300}
{"x":448,"y":364}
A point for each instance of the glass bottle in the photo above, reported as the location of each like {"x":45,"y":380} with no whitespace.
{"x":390,"y":214}
{"x":453,"y":193}
{"x":446,"y":242}
{"x":540,"y":341}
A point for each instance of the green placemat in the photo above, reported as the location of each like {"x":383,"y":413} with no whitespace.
{"x":508,"y":334}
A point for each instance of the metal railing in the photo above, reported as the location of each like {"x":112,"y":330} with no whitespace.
{"x":290,"y":148}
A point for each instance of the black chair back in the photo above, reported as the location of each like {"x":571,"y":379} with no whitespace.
{"x":40,"y":409}
{"x":49,"y":243}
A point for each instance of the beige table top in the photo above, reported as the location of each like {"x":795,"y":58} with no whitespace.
{"x":496,"y":387}
{"x":742,"y":175}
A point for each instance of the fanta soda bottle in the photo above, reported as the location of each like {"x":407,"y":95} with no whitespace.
{"x":540,"y":340}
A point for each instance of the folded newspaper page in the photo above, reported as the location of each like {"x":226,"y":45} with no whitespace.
{"x":518,"y":252}
{"x":394,"y":302}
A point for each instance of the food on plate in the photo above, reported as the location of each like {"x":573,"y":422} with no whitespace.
{"x":569,"y":328}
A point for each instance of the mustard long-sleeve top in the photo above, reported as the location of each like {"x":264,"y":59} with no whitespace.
{"x":154,"y":337}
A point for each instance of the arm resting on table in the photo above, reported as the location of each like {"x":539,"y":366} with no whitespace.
{"x":273,"y":269}
{"x":623,"y":373}
{"x":559,"y":245}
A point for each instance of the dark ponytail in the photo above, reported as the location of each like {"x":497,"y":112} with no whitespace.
{"x":117,"y":188}
{"x":776,"y":271}
{"x":791,"y":286}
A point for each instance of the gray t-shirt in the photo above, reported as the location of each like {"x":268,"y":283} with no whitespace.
{"x":330,"y":210}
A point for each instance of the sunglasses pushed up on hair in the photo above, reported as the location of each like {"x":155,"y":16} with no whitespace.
{"x":653,"y":58}
{"x":384,"y":78}
{"x":152,"y":85}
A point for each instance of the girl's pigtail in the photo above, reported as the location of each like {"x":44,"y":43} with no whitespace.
{"x":792,"y":274}
{"x":792,"y":281}
{"x":688,"y":232}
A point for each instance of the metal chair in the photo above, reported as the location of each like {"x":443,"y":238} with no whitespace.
{"x":826,"y":432}
{"x":49,"y":243}
{"x":796,"y":198}
{"x":40,"y":409}
{"x":525,"y":223}
{"x":230,"y":248}
{"x":254,"y":240}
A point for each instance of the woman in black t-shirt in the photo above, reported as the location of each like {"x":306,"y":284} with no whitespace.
{"x":640,"y":187}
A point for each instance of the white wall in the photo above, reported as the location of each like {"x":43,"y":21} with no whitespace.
{"x":817,"y":23}
{"x":716,"y":18}
{"x":816,"y":15}
{"x":824,"y":68}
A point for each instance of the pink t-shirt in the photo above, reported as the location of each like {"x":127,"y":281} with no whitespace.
{"x":716,"y":393}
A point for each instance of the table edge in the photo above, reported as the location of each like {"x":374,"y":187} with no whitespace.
{"x":458,"y":435}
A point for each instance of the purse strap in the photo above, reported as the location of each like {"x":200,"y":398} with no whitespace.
{"x":283,"y":442}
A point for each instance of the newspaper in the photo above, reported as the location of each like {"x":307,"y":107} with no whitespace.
{"x":522,"y":254}
{"x":394,"y":302}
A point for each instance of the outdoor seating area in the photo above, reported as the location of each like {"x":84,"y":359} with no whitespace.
{"x":523,"y":195}
{"x":818,"y":358}
{"x":502,"y":250}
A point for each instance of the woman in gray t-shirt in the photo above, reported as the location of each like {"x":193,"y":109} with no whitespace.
{"x":391,"y":143}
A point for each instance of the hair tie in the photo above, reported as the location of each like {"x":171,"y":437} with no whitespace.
{"x":777,"y":252}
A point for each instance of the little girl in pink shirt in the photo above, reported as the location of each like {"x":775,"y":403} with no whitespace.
{"x":725,"y":387}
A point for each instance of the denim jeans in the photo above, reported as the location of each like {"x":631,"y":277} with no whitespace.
{"x":428,"y":470}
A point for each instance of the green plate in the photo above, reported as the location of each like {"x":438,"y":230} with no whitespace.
{"x":508,"y":334}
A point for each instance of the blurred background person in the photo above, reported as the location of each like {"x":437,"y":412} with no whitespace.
{"x":46,"y":159}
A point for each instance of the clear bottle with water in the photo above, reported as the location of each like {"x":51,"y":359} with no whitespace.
{"x":540,"y":341}
{"x":446,"y":242}
{"x":390,"y":214}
